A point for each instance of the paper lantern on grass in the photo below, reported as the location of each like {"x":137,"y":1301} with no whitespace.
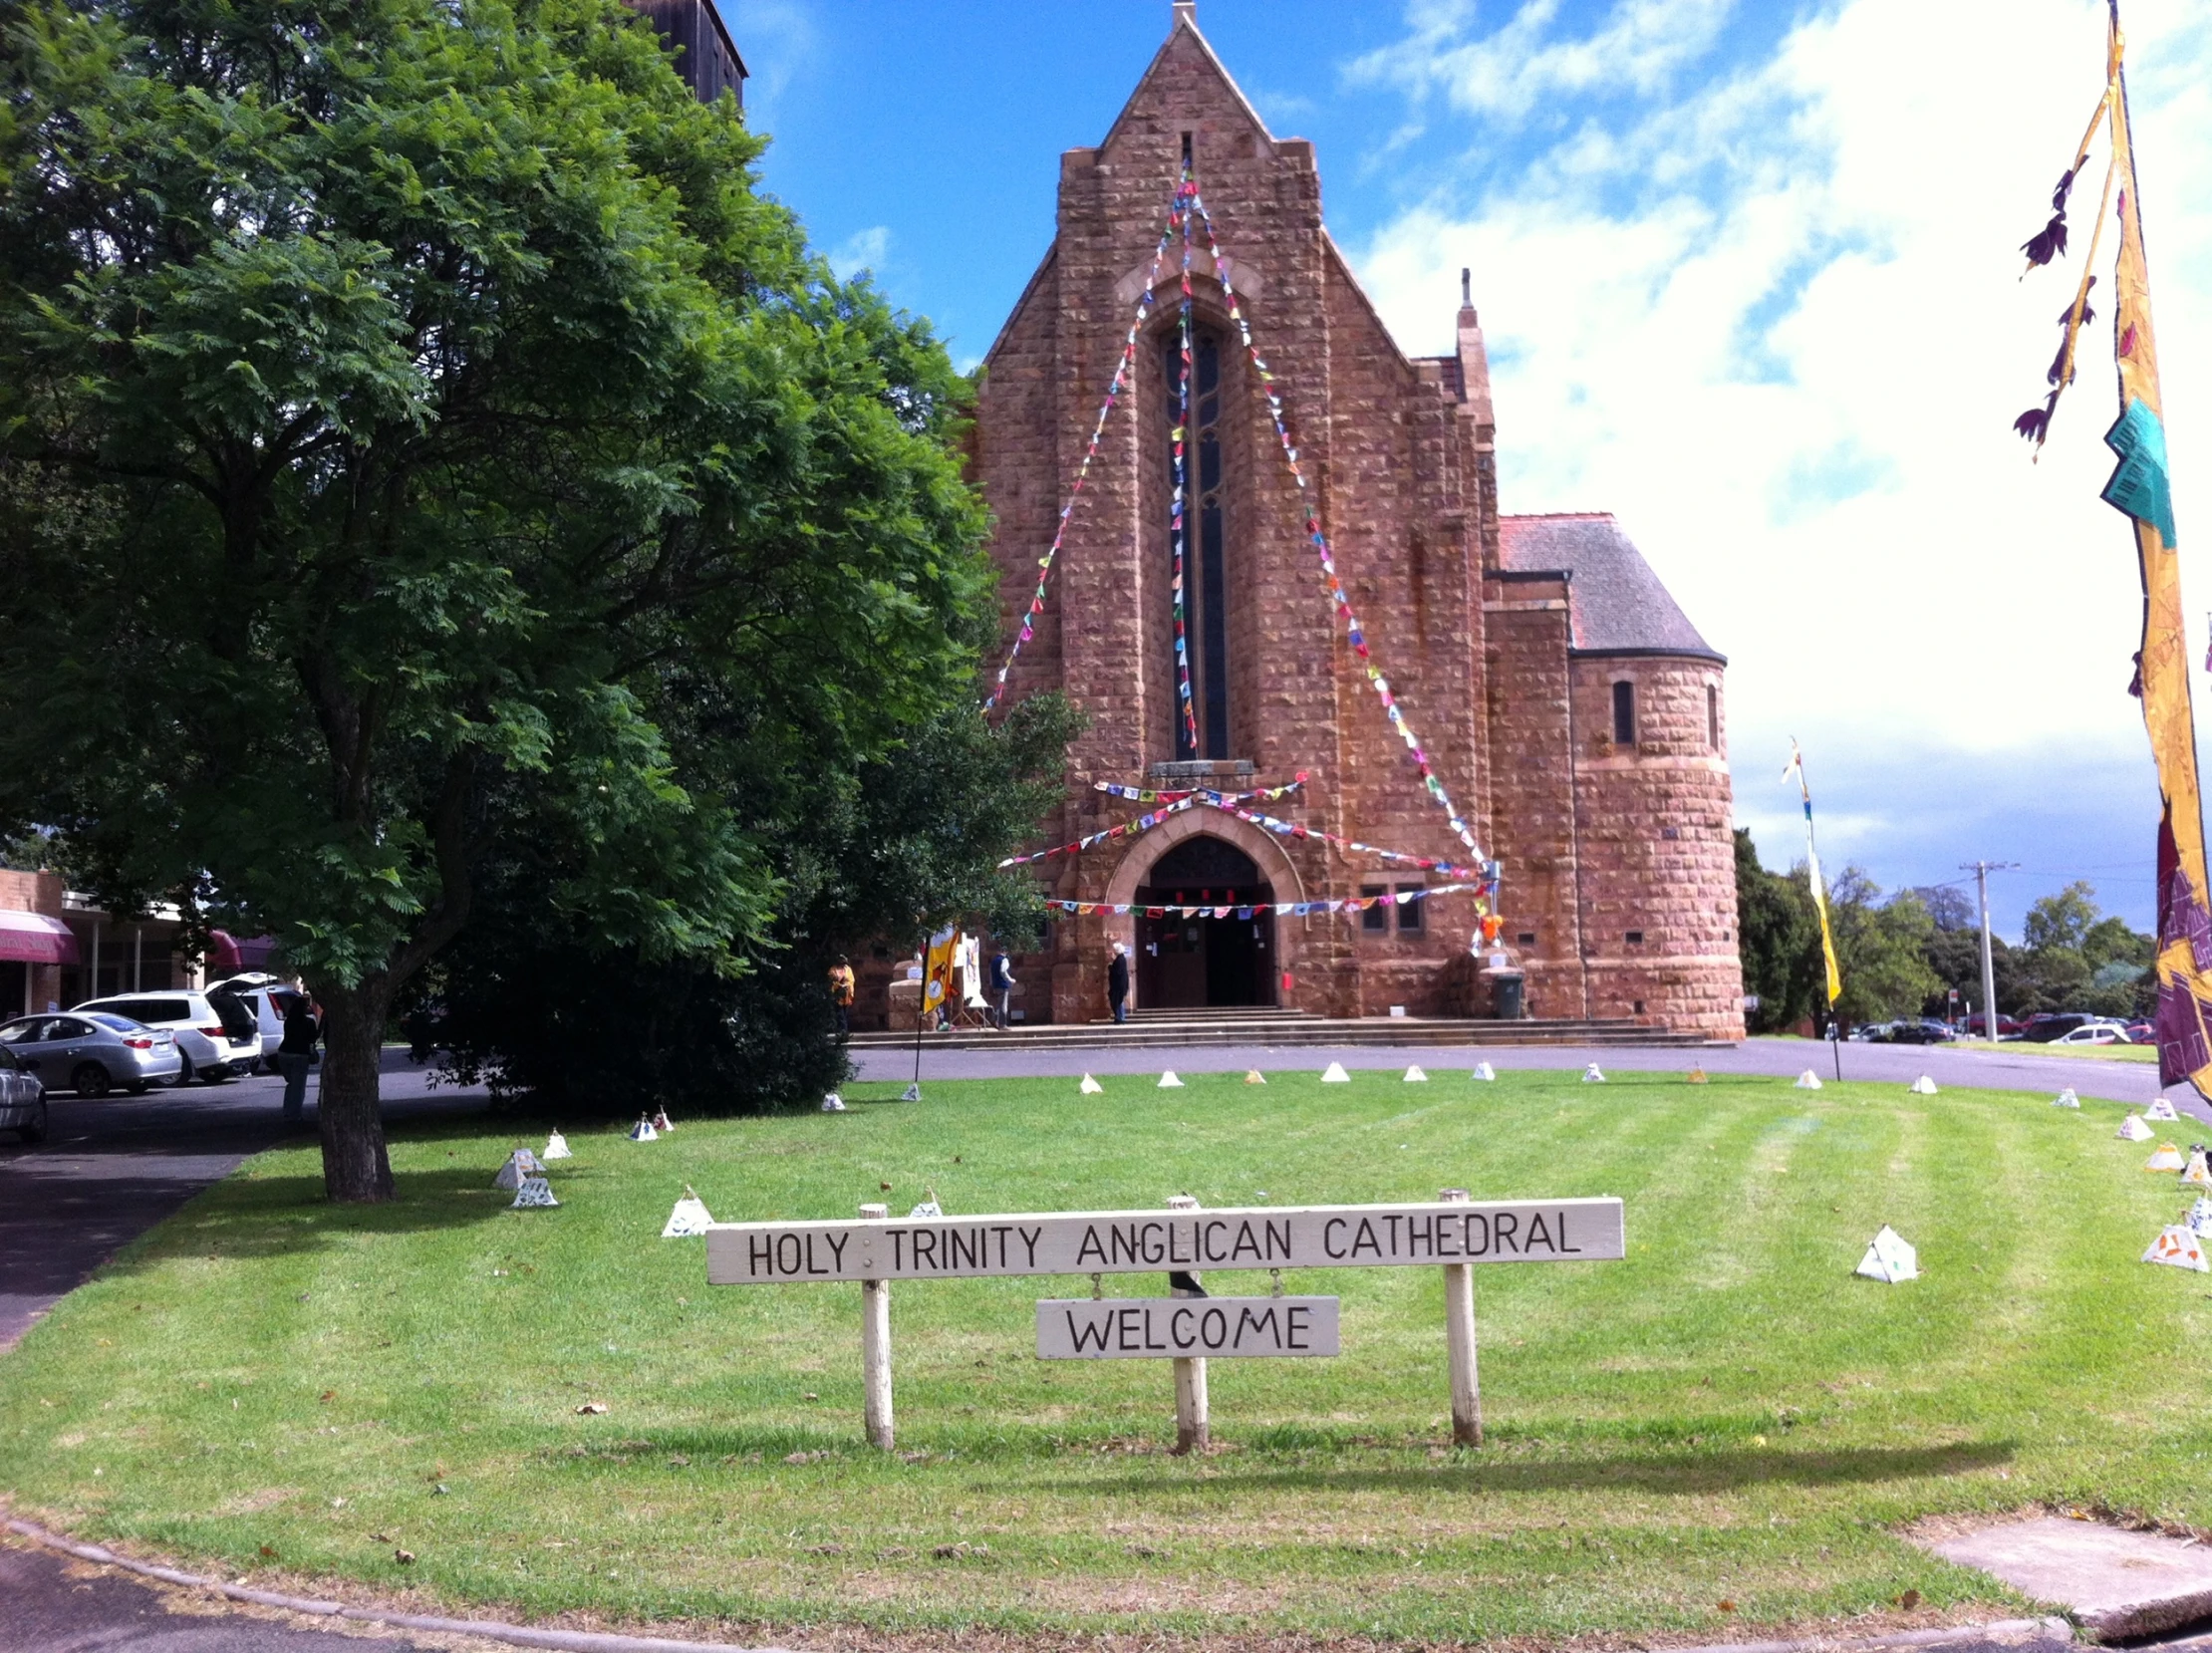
{"x":1089,"y":1087}
{"x":556,"y":1148}
{"x":928,"y":1206}
{"x":1252,"y":1076}
{"x":1483,"y":1072}
{"x":1808,"y":1080}
{"x":643,"y":1131}
{"x":661,"y":1120}
{"x":1696,"y":1076}
{"x":1922,"y":1086}
{"x":913,"y":1092}
{"x":2161,"y":1110}
{"x":1168,"y":1081}
{"x":832,"y":1103}
{"x":2197,"y":1174}
{"x":1413,"y":1076}
{"x":2165,"y":1157}
{"x":2066,"y":1099}
{"x":1889,"y":1259}
{"x":688,"y":1219}
{"x":1334,"y":1074}
{"x":534,"y":1194}
{"x":521,"y":1165}
{"x":2199,"y":1220}
{"x":2178,"y":1248}
{"x":1593,"y":1076}
{"x":2132,"y":1129}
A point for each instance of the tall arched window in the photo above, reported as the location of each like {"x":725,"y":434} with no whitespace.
{"x":1206,"y":548}
{"x":1625,"y":713}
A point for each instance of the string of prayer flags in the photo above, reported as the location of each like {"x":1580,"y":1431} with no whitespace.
{"x":2066,"y":1099}
{"x":2161,"y":1109}
{"x":1334,"y":1074}
{"x":1178,"y":529}
{"x":1321,"y":540}
{"x":1146,"y":795}
{"x":2165,"y":1157}
{"x":1808,"y":1080}
{"x":1089,"y":1087}
{"x":1168,"y":1081}
{"x":1128,"y":829}
{"x":2132,"y":1129}
{"x":1889,"y":1259}
{"x":1122,"y":367}
{"x":535,"y":1194}
{"x":2177,"y":1247}
{"x":1294,"y":829}
{"x":1283,"y":909}
{"x":688,"y":1219}
{"x":556,"y":1148}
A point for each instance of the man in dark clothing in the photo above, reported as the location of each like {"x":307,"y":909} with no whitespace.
{"x":1001,"y":989}
{"x":296,"y":1054}
{"x":1117,"y":982}
{"x":841,"y":995}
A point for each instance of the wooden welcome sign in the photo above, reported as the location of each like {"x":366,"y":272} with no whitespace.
{"x":1452,"y":1231}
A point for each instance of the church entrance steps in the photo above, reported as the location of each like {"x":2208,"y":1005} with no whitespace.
{"x":1166,"y":1030}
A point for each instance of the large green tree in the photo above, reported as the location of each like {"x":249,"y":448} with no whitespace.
{"x":418,"y":440}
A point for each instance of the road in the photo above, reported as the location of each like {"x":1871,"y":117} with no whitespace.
{"x":1888,"y":1064}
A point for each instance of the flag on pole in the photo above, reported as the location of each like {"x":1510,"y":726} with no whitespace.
{"x":2141,"y":489}
{"x":1813,"y":869}
{"x":936,"y":971}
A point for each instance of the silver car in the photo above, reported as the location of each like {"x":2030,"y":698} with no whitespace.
{"x":92,"y":1052}
{"x":214,"y":1045}
{"x":22,"y":1100}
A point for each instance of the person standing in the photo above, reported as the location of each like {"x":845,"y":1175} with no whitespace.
{"x":1117,"y":982}
{"x":295,"y":1053}
{"x":1001,"y":989}
{"x":841,"y":995}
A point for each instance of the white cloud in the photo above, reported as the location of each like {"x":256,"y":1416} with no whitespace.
{"x":1791,"y":366}
{"x":1508,"y":72}
{"x":865,"y":250}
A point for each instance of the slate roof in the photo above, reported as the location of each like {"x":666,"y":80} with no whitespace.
{"x":1616,"y":603}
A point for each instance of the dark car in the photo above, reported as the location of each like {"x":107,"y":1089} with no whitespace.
{"x":2045,"y":1026}
{"x":1919,"y":1033}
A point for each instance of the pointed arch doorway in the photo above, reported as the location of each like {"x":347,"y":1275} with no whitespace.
{"x":1217,"y":960}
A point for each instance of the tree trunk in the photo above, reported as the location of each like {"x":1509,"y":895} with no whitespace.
{"x":355,"y":1169}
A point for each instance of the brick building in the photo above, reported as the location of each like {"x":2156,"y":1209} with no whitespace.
{"x":1573,"y":714}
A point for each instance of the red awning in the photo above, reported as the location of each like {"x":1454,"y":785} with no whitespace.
{"x":35,"y":938}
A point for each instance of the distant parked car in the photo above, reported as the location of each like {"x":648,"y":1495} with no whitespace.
{"x":2141,"y":1032}
{"x":22,"y":1100}
{"x":214,"y":1045}
{"x":1872,"y":1033}
{"x":1918,"y":1033}
{"x":2045,"y":1026}
{"x":2007,"y":1027}
{"x":267,"y":997}
{"x":2092,"y":1032}
{"x":92,"y":1052}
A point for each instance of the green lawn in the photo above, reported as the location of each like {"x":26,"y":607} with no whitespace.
{"x":1725,"y":1417}
{"x":2094,"y":1052}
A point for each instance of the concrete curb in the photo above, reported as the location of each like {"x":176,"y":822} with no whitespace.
{"x":2013,"y":1632}
{"x":520,"y":1635}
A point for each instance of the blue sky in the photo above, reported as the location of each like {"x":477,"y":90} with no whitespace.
{"x":1748,"y":279}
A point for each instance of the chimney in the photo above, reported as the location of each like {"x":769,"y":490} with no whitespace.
{"x":1186,"y":11}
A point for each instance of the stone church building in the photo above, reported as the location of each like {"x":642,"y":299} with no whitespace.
{"x":1570,"y":710}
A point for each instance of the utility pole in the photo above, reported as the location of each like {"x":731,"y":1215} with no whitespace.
{"x":1980,"y":871}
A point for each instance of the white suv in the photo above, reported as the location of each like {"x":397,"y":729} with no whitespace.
{"x":214,"y":1047}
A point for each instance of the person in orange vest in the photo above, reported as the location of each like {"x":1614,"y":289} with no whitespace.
{"x":841,"y":993}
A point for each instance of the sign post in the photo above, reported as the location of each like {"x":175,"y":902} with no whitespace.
{"x":1454,"y":1231}
{"x":875,"y":1348}
{"x":1459,"y":1342}
{"x":1191,"y":1420}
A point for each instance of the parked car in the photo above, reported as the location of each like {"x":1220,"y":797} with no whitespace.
{"x":22,"y":1100}
{"x":1918,"y":1033}
{"x":214,"y":1044}
{"x":2141,"y":1032}
{"x":1872,"y":1033}
{"x":2094,"y":1033}
{"x":2007,"y":1027}
{"x":92,"y":1052}
{"x":266,"y":997}
{"x":2045,"y":1026}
